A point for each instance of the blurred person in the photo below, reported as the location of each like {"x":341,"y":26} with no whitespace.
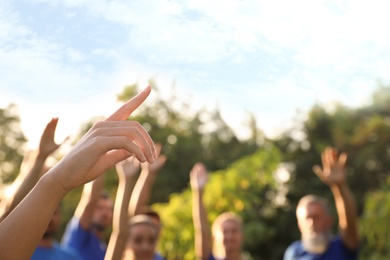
{"x":141,"y":243}
{"x":126,"y":170}
{"x":315,"y":221}
{"x":143,"y":188}
{"x":48,"y":248}
{"x":32,"y":168}
{"x":105,"y":144}
{"x":122,"y":242}
{"x":85,"y":231}
{"x":154,"y":217}
{"x":225,"y":239}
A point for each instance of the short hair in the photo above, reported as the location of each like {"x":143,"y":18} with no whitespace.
{"x":311,"y":198}
{"x":141,"y":219}
{"x":224,"y":217}
{"x":148,"y":211}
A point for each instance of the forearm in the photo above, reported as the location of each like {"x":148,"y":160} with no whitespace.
{"x":89,"y":198}
{"x":120,"y":218}
{"x":120,"y":230}
{"x":201,"y":226}
{"x":142,"y":191}
{"x":23,"y":184}
{"x":22,"y":230}
{"x":116,"y":246}
{"x":347,"y":215}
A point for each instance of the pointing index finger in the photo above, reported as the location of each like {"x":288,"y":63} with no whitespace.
{"x":125,"y":110}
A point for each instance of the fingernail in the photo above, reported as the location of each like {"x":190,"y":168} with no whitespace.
{"x":154,"y":152}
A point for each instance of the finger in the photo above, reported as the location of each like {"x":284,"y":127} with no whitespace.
{"x":158,"y":147}
{"x":110,"y":145}
{"x":132,"y":130}
{"x":330,"y":155}
{"x":162,"y":158}
{"x":50,"y":128}
{"x":324,"y":159}
{"x":125,"y":110}
{"x":343,"y":159}
{"x":111,"y":158}
{"x":318,"y":171}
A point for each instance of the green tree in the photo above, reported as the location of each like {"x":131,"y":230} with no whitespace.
{"x":248,"y":188}
{"x":374,"y":224}
{"x":363,"y":133}
{"x":187,"y":136}
{"x":12,"y":143}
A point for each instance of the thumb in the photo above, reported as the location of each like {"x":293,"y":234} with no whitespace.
{"x":318,"y":171}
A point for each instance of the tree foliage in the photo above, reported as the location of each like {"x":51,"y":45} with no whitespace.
{"x":374,"y":224}
{"x":12,"y":142}
{"x":363,"y":133}
{"x":242,"y":171}
{"x":187,"y":136}
{"x":248,"y":188}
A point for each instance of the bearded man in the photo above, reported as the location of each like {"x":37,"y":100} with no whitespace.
{"x":315,"y":220}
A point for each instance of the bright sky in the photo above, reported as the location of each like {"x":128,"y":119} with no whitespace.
{"x":69,"y":58}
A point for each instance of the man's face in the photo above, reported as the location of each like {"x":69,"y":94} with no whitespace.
{"x":315,"y":225}
{"x":103,"y":213}
{"x":313,"y":219}
{"x":230,"y":235}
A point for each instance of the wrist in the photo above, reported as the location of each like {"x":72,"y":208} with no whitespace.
{"x":41,"y":157}
{"x":150,"y":175}
{"x":148,"y":171}
{"x":126,"y":177}
{"x":338,"y":186}
{"x":198,"y":189}
{"x":52,"y":187}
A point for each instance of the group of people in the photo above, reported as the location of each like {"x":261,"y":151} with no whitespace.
{"x":31,"y":216}
{"x":315,"y":221}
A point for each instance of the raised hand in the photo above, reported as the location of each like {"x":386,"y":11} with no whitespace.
{"x":47,"y":145}
{"x":333,"y":167}
{"x":105,"y":144}
{"x":128,"y":167}
{"x":198,"y":176}
{"x":158,"y":163}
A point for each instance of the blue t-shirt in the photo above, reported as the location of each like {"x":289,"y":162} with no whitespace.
{"x":54,"y":253}
{"x":211,"y":257}
{"x":157,"y":256}
{"x":87,"y":244}
{"x":336,"y":250}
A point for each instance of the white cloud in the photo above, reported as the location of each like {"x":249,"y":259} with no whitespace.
{"x":292,"y":53}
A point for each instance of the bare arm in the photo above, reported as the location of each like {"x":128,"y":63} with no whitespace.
{"x":198,"y":178}
{"x":127,"y":171}
{"x":22,"y":229}
{"x":34,"y":163}
{"x":142,"y":190}
{"x":334,"y":175}
{"x":88,"y":201}
{"x":107,"y":143}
